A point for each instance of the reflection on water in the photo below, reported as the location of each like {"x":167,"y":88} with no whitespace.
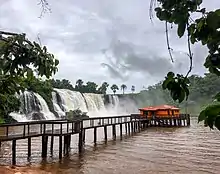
{"x":156,"y":150}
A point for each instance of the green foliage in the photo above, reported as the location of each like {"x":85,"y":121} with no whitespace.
{"x":76,"y":114}
{"x":114,"y":88}
{"x":210,"y":115}
{"x":202,"y":91}
{"x":91,"y":87}
{"x":61,"y":84}
{"x":177,"y":85}
{"x":103,"y":88}
{"x":19,"y":60}
{"x":204,"y":29}
{"x":9,"y":103}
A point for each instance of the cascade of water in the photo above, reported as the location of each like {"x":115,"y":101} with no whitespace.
{"x":95,"y":104}
{"x":33,"y":107}
{"x":71,"y":100}
{"x":56,"y":106}
{"x":44,"y":108}
{"x":28,"y":106}
{"x":113,"y":101}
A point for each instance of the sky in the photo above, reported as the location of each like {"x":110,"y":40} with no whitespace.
{"x":104,"y":40}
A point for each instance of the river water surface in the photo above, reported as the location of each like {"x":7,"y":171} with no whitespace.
{"x":193,"y":149}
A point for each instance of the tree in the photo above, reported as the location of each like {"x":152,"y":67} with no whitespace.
{"x":123,"y":88}
{"x":79,"y":82}
{"x":79,"y":85}
{"x":132,"y":88}
{"x":20,"y":59}
{"x":204,"y":29}
{"x":114,"y":88}
{"x":90,"y":87}
{"x":61,"y":84}
{"x":103,"y":88}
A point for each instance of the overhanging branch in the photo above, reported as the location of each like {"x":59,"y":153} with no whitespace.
{"x":168,"y":43}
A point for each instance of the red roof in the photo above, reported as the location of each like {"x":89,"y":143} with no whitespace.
{"x":160,"y":107}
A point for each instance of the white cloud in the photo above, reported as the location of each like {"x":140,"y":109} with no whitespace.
{"x":78,"y":30}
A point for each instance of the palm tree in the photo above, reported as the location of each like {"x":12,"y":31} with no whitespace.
{"x":114,"y":88}
{"x":132,"y":88}
{"x":123,"y":88}
{"x":103,"y":88}
{"x":79,"y":82}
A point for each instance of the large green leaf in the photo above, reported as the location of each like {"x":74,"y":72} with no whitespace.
{"x":202,"y":116}
{"x":181,"y":29}
{"x":182,"y":95}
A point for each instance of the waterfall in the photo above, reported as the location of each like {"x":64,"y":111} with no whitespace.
{"x":70,"y":100}
{"x":91,"y":103}
{"x":95,"y":104}
{"x":113,"y":101}
{"x":56,"y":106}
{"x":33,"y":107}
{"x":44,"y":108}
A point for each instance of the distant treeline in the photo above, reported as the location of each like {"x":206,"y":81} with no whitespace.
{"x":202,"y":91}
{"x":88,"y":87}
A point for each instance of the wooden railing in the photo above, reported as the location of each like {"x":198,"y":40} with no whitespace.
{"x":23,"y":130}
{"x":65,"y":128}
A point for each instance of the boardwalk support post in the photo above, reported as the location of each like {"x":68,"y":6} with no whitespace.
{"x":29,"y":147}
{"x":44,"y":146}
{"x":113,"y":132}
{"x":60,"y":147}
{"x":13,"y":152}
{"x":121,"y":131}
{"x":80,"y":144}
{"x":105,"y":133}
{"x":51,"y":145}
{"x":95,"y":134}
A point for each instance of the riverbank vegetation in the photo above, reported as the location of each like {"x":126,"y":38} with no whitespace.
{"x":20,"y":61}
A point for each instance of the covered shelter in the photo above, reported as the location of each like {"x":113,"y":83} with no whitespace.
{"x":159,"y":111}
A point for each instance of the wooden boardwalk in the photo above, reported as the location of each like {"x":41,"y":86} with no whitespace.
{"x":65,"y":128}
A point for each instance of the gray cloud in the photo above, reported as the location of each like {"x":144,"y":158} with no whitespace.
{"x":78,"y":30}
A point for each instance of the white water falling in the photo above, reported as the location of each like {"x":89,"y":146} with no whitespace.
{"x":72,"y":100}
{"x":56,"y":105}
{"x":19,"y":117}
{"x":32,"y":103}
{"x":44,"y":108}
{"x":33,"y":106}
{"x":28,"y":106}
{"x":95,"y":102}
{"x":113,"y":101}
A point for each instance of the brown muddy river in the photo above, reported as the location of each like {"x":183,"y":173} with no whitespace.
{"x":193,"y":149}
